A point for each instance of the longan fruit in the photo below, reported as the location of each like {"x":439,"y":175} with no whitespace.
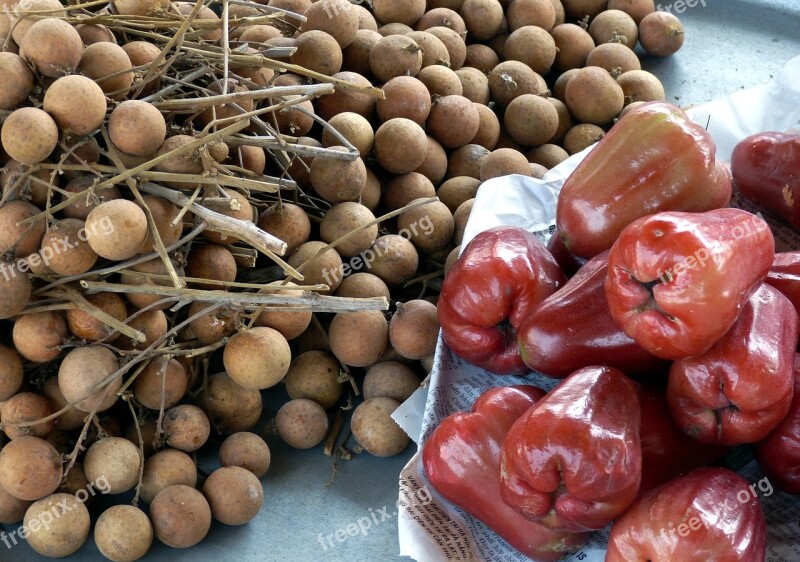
{"x":407,"y":97}
{"x":67,"y":529}
{"x":234,"y":494}
{"x":26,"y":407}
{"x":403,"y":189}
{"x":338,"y":180}
{"x":30,"y":468}
{"x":180,"y":515}
{"x":414,"y":329}
{"x":429,"y":227}
{"x":574,"y":45}
{"x":453,"y":121}
{"x":213,"y":262}
{"x":123,"y":533}
{"x":290,"y":323}
{"x":375,"y":430}
{"x":82,"y":370}
{"x":324,"y":269}
{"x":363,"y":285}
{"x":137,"y":128}
{"x":65,"y":249}
{"x":401,"y":145}
{"x":335,"y":17}
{"x":661,"y":34}
{"x":360,"y":338}
{"x":12,"y":509}
{"x":614,"y":26}
{"x":246,"y":450}
{"x":301,"y":423}
{"x":230,"y":406}
{"x":288,"y":222}
{"x":458,"y":189}
{"x":395,"y":260}
{"x":77,"y":104}
{"x":244,"y":213}
{"x":345,"y":218}
{"x":108,"y":65}
{"x":355,"y":128}
{"x":395,"y":55}
{"x":317,"y":51}
{"x":594,"y":96}
{"x":72,"y":418}
{"x":116,"y":460}
{"x":453,"y":42}
{"x":257,"y":358}
{"x":18,"y":81}
{"x":37,"y":336}
{"x":167,"y":468}
{"x":531,"y":120}
{"x":532,"y":45}
{"x":161,"y":374}
{"x":116,"y":229}
{"x":186,"y":427}
{"x":390,"y":379}
{"x":582,"y":136}
{"x":29,"y":135}
{"x":11,"y":372}
{"x":24,"y":239}
{"x":314,"y":375}
{"x":504,"y":161}
{"x":210,"y":328}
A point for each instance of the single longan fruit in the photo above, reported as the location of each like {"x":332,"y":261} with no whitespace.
{"x":82,"y":371}
{"x":152,"y":323}
{"x":167,"y":468}
{"x":65,"y":250}
{"x":392,"y":11}
{"x":467,"y":161}
{"x":503,"y":162}
{"x":212,"y":327}
{"x":429,"y":227}
{"x":343,"y":99}
{"x":640,"y":85}
{"x":246,"y":450}
{"x":30,"y":468}
{"x":95,"y":33}
{"x":186,"y":427}
{"x":435,"y":165}
{"x":108,"y":65}
{"x":440,"y":81}
{"x":574,"y":45}
{"x":511,"y":79}
{"x":401,"y":145}
{"x":24,"y":239}
{"x":301,"y":423}
{"x":541,"y":13}
{"x":375,"y":430}
{"x":613,"y":56}
{"x":489,"y":130}
{"x":547,"y":155}
{"x":453,"y":121}
{"x":314,"y":375}
{"x":614,"y":26}
{"x":395,"y":260}
{"x":355,"y":57}
{"x":458,"y":189}
{"x":363,"y":285}
{"x":77,"y":104}
{"x":442,"y":16}
{"x":257,"y":358}
{"x":481,"y":57}
{"x":116,"y":460}
{"x":161,"y":375}
{"x":434,"y":51}
{"x":181,"y":516}
{"x":325,"y":269}
{"x":406,"y":97}
{"x":37,"y":336}
{"x":637,"y":9}
{"x":453,"y":42}
{"x":234,"y":494}
{"x":317,"y":51}
{"x":163,"y":213}
{"x":395,"y":55}
{"x":483,"y":18}
{"x":335,"y":17}
{"x":137,"y":128}
{"x":18,"y":81}
{"x":461,"y":217}
{"x":353,"y":127}
{"x":123,"y":533}
{"x":85,"y":326}
{"x":29,"y":135}
{"x":11,"y":372}
{"x":531,"y":120}
{"x":593,"y":96}
{"x":230,"y":406}
{"x":213,"y":262}
{"x":414,"y":329}
{"x":338,"y":180}
{"x":474,"y":85}
{"x":359,"y":339}
{"x":390,"y":379}
{"x":661,"y":34}
{"x":12,"y":509}
{"x":67,"y":530}
{"x":116,"y":229}
{"x":290,"y":323}
{"x":532,"y":45}
{"x":25,"y":407}
{"x":288,"y":222}
{"x":344,"y":218}
{"x":53,"y":47}
{"x":582,"y":136}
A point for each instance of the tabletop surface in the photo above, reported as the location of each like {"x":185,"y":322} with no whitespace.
{"x":730,"y":45}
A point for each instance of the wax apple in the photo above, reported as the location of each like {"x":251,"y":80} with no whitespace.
{"x":654,"y":159}
{"x":779,"y":454}
{"x":708,"y":514}
{"x":462,"y":462}
{"x":573,"y":328}
{"x":677,"y":281}
{"x":741,"y":388}
{"x":573,"y":462}
{"x":501,"y":275}
{"x":766,"y":169}
{"x":666,"y":450}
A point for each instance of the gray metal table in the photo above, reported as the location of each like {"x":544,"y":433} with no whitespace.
{"x":730,"y":45}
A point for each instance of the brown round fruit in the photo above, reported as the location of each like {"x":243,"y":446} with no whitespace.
{"x":375,"y":430}
{"x":301,"y":424}
{"x":77,"y":104}
{"x":30,"y":468}
{"x":29,"y":135}
{"x":246,"y":450}
{"x":338,"y":180}
{"x":123,"y":533}
{"x":593,"y":96}
{"x":181,"y":516}
{"x":67,"y":528}
{"x":257,"y":358}
{"x":453,"y":121}
{"x":113,"y":460}
{"x":137,"y":128}
{"x":406,"y":97}
{"x":414,"y":329}
{"x":661,"y":34}
{"x":314,"y":375}
{"x":82,"y":371}
{"x":531,"y":120}
{"x":401,"y":145}
{"x":359,"y":339}
{"x":234,"y":494}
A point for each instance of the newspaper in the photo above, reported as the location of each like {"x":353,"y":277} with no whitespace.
{"x":440,"y":531}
